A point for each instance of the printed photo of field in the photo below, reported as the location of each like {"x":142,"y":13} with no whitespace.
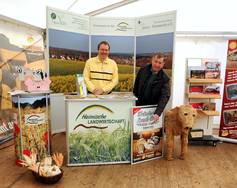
{"x":68,"y":53}
{"x":66,"y":60}
{"x":101,"y":146}
{"x":148,"y":45}
{"x":63,"y":71}
{"x":122,"y":51}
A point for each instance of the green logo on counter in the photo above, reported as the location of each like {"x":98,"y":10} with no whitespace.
{"x":94,"y":106}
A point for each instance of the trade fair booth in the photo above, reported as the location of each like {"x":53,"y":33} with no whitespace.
{"x":41,"y":99}
{"x":72,"y":39}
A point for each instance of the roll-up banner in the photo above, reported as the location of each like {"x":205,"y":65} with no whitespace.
{"x":228,"y":124}
{"x":21,"y":47}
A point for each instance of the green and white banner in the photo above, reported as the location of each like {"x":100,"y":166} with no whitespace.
{"x":98,"y":132}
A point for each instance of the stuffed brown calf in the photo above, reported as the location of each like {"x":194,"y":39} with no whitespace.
{"x":178,"y":121}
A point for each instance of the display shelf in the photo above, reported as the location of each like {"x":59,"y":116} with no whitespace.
{"x":202,"y":76}
{"x":203,"y":96}
{"x":211,"y":113}
{"x":204,"y":81}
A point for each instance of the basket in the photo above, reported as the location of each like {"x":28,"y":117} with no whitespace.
{"x":48,"y":180}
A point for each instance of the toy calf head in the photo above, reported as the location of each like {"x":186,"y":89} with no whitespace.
{"x":186,"y":114}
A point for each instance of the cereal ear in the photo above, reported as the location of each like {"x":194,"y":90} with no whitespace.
{"x":58,"y":159}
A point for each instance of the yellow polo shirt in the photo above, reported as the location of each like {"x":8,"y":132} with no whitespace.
{"x":99,"y":74}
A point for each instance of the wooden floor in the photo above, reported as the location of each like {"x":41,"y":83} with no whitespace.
{"x":205,"y":166}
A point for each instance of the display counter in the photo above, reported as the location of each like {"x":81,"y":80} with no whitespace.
{"x":99,"y":129}
{"x":31,"y":123}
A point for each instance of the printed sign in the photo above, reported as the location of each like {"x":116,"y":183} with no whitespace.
{"x":66,"y":21}
{"x":156,"y":24}
{"x":147,"y":134}
{"x":99,"y":132}
{"x":113,"y":26}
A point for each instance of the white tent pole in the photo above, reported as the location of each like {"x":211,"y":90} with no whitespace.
{"x":74,"y":2}
{"x":206,"y":34}
{"x":110,"y":7}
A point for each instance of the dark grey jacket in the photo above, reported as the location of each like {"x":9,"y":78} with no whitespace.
{"x":160,"y":91}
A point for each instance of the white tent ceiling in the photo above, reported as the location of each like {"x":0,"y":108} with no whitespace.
{"x":192,"y":15}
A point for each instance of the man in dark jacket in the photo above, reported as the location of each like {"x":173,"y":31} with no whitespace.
{"x":152,"y":85}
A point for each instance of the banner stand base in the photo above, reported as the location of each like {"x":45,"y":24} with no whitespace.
{"x":223,"y":139}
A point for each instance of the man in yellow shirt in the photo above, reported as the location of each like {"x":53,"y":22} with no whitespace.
{"x":100,"y":72}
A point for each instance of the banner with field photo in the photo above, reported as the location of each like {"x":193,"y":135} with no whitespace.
{"x":74,"y":38}
{"x":228,"y":124}
{"x":119,"y":33}
{"x":68,"y":41}
{"x":21,"y":48}
{"x":147,"y":139}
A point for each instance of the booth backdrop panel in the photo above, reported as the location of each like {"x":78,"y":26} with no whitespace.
{"x":21,"y":47}
{"x":98,"y":131}
{"x":228,"y":124}
{"x":154,"y":33}
{"x":68,"y":53}
{"x":122,"y":51}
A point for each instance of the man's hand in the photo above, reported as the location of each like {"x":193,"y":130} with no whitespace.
{"x":98,"y":91}
{"x":155,"y":118}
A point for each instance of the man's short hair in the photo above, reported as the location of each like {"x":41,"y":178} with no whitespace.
{"x":103,"y":42}
{"x":158,"y":55}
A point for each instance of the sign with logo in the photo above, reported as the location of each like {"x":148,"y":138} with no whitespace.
{"x":66,"y":21}
{"x":34,"y":119}
{"x":98,"y":132}
{"x":156,"y":24}
{"x":113,"y":26}
{"x":147,"y":134}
